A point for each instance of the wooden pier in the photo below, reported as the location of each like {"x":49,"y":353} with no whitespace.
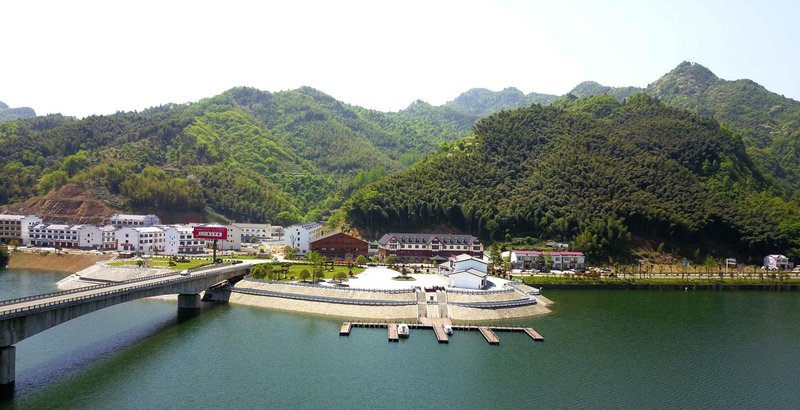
{"x":437,"y":325}
{"x":441,"y":335}
{"x":533,"y":334}
{"x":489,"y":335}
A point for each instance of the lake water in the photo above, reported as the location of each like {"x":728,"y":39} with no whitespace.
{"x":603,"y":349}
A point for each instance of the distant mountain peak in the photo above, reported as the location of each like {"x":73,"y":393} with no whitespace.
{"x":11,"y":114}
{"x":687,"y":78}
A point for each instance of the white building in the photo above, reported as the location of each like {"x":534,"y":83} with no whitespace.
{"x":527,"y":260}
{"x":467,"y":279}
{"x":89,"y":236}
{"x":261,"y":232}
{"x":17,"y":228}
{"x":146,"y":240}
{"x":54,"y":235}
{"x":777,"y":262}
{"x":109,"y":238}
{"x":301,"y":236}
{"x":135,"y":220}
{"x":463,"y":262}
{"x":180,"y":240}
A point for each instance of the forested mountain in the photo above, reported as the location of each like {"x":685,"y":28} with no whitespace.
{"x":768,"y":123}
{"x":480,"y":102}
{"x":594,"y":171}
{"x":246,"y":154}
{"x":10,"y":114}
{"x":591,"y":88}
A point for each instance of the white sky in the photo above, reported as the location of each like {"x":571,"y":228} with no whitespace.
{"x":97,"y":57}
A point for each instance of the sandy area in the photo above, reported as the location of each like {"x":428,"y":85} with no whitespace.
{"x":62,"y":263}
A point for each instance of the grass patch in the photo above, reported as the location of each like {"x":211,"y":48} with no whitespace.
{"x":163,"y":263}
{"x":403,"y":278}
{"x":296,"y":268}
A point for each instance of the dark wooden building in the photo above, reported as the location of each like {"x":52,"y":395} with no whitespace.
{"x":338,"y":245}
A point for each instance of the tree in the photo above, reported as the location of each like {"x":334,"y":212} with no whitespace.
{"x":709,"y":263}
{"x":540,"y":262}
{"x":348,"y":260}
{"x":317,"y":264}
{"x":495,"y":258}
{"x":305,"y":274}
{"x":3,"y":257}
{"x":361,"y":260}
{"x":548,"y":262}
{"x":289,"y":252}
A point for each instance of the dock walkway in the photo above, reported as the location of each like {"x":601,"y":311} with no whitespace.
{"x":437,"y":324}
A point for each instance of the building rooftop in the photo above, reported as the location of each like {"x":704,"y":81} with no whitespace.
{"x":471,"y":271}
{"x":425,"y":238}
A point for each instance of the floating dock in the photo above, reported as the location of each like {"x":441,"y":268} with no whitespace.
{"x":489,"y":335}
{"x":441,"y":335}
{"x":392,"y":329}
{"x":488,"y":332}
{"x":533,"y":334}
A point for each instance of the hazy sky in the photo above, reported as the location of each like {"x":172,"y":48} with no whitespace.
{"x":97,"y":57}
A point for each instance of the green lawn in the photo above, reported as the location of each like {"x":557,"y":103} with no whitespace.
{"x":295,"y":269}
{"x":163,"y":263}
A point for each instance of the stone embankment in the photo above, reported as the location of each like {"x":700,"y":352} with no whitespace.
{"x":61,"y":262}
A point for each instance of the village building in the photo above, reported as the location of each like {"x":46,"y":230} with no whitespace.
{"x":89,"y":236}
{"x":301,"y":236}
{"x":180,"y":240}
{"x":147,"y":240}
{"x":465,"y":271}
{"x":436,"y":247}
{"x":108,"y":234}
{"x":777,"y":262}
{"x":562,"y":260}
{"x":256,"y":233}
{"x":338,"y":245}
{"x":17,"y":228}
{"x":135,"y":220}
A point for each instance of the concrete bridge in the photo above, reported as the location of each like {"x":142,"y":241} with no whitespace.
{"x":24,"y":317}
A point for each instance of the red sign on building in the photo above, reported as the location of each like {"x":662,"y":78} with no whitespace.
{"x":211,"y":232}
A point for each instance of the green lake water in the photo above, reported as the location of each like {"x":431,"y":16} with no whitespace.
{"x":602,"y":349}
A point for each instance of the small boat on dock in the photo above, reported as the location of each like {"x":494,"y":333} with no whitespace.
{"x":402,"y":330}
{"x":448,"y":329}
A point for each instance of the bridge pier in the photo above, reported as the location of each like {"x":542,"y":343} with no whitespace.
{"x":7,"y":369}
{"x":189,"y":301}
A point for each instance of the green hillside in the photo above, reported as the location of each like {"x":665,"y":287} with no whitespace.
{"x":595,"y":172}
{"x":246,"y":154}
{"x":768,"y":123}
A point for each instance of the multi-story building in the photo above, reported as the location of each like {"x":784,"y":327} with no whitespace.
{"x":147,"y":240}
{"x":256,"y":233}
{"x":180,"y":240}
{"x":338,"y":245}
{"x":437,"y":247}
{"x":301,"y":236}
{"x":17,"y":228}
{"x":109,"y":238}
{"x":89,"y":236}
{"x":135,"y":220}
{"x":526,"y":260}
{"x":54,"y":235}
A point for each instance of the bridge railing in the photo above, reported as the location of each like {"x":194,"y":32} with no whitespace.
{"x":67,"y":302}
{"x":496,"y":305}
